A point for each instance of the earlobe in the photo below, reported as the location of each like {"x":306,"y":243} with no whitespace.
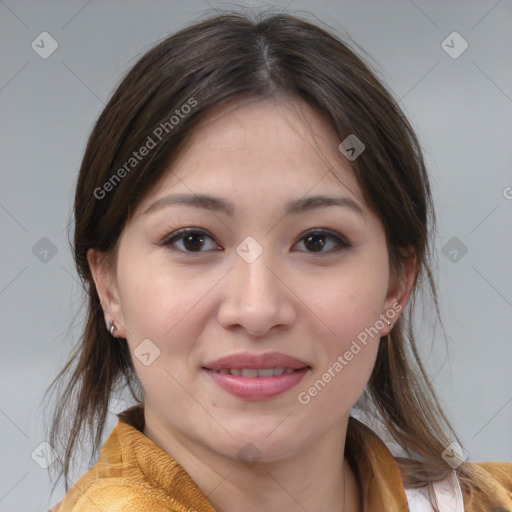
{"x":106,"y":290}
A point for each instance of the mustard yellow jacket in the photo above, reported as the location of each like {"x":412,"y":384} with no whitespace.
{"x":133,"y":474}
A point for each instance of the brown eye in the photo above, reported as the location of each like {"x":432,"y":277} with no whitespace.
{"x":315,"y":241}
{"x":190,"y":240}
{"x":193,"y":241}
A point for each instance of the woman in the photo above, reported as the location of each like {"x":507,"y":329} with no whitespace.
{"x":252,"y":217}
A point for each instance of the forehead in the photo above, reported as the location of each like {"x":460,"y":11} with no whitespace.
{"x":249,"y":147}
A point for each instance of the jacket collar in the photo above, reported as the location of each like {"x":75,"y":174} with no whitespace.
{"x":137,"y":449}
{"x":375,"y":468}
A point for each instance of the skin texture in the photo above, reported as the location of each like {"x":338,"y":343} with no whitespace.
{"x":199,"y":306}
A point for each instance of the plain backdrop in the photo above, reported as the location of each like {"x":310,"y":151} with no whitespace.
{"x":460,"y":107}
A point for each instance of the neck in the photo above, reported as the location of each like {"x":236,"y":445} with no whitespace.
{"x":315,"y":478}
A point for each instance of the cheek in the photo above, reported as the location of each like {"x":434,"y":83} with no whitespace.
{"x":345,"y":300}
{"x":345,"y":307}
{"x":162,"y":305}
{"x":160,"y":302}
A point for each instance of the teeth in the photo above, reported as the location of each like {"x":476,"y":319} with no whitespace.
{"x":249,"y":372}
{"x":255,"y":372}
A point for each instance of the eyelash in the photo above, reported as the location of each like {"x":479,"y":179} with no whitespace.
{"x":325,"y":233}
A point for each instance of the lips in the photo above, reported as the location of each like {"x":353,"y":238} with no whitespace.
{"x":256,"y":365}
{"x":255,"y":372}
{"x":259,"y":388}
{"x":257,"y":376}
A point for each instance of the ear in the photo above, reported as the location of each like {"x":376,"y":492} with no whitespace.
{"x":400,"y":289}
{"x":104,"y":279}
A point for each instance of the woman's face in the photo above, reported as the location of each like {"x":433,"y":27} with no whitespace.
{"x":253,"y":276}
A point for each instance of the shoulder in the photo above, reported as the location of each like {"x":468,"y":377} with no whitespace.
{"x":498,"y":476}
{"x":115,"y":495}
{"x":500,"y":471}
{"x":125,"y":478}
{"x":497,"y":479}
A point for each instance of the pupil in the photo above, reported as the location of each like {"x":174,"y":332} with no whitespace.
{"x":319,"y":244}
{"x":189,"y":241}
{"x":194,"y":241}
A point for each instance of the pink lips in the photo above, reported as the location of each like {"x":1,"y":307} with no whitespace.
{"x":267,"y":360}
{"x":257,"y":388}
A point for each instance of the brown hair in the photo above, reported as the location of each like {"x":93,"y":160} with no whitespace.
{"x":222,"y":58}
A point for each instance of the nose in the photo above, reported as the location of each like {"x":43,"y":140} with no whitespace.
{"x":257,"y":297}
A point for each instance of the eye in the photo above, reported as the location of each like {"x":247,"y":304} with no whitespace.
{"x":316,"y":241}
{"x":191,"y":239}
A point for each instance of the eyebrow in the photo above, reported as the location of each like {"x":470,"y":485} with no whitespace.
{"x":299,"y":206}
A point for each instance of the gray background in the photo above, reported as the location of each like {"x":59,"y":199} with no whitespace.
{"x":461,"y":109}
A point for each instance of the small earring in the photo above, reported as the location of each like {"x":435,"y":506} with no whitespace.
{"x":389,"y":323}
{"x":112,"y":329}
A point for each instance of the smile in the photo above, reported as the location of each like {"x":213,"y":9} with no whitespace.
{"x":257,"y":383}
{"x":255,"y":372}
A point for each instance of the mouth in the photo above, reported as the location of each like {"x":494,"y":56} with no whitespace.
{"x":257,"y":372}
{"x":252,"y":384}
{"x":256,"y":376}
